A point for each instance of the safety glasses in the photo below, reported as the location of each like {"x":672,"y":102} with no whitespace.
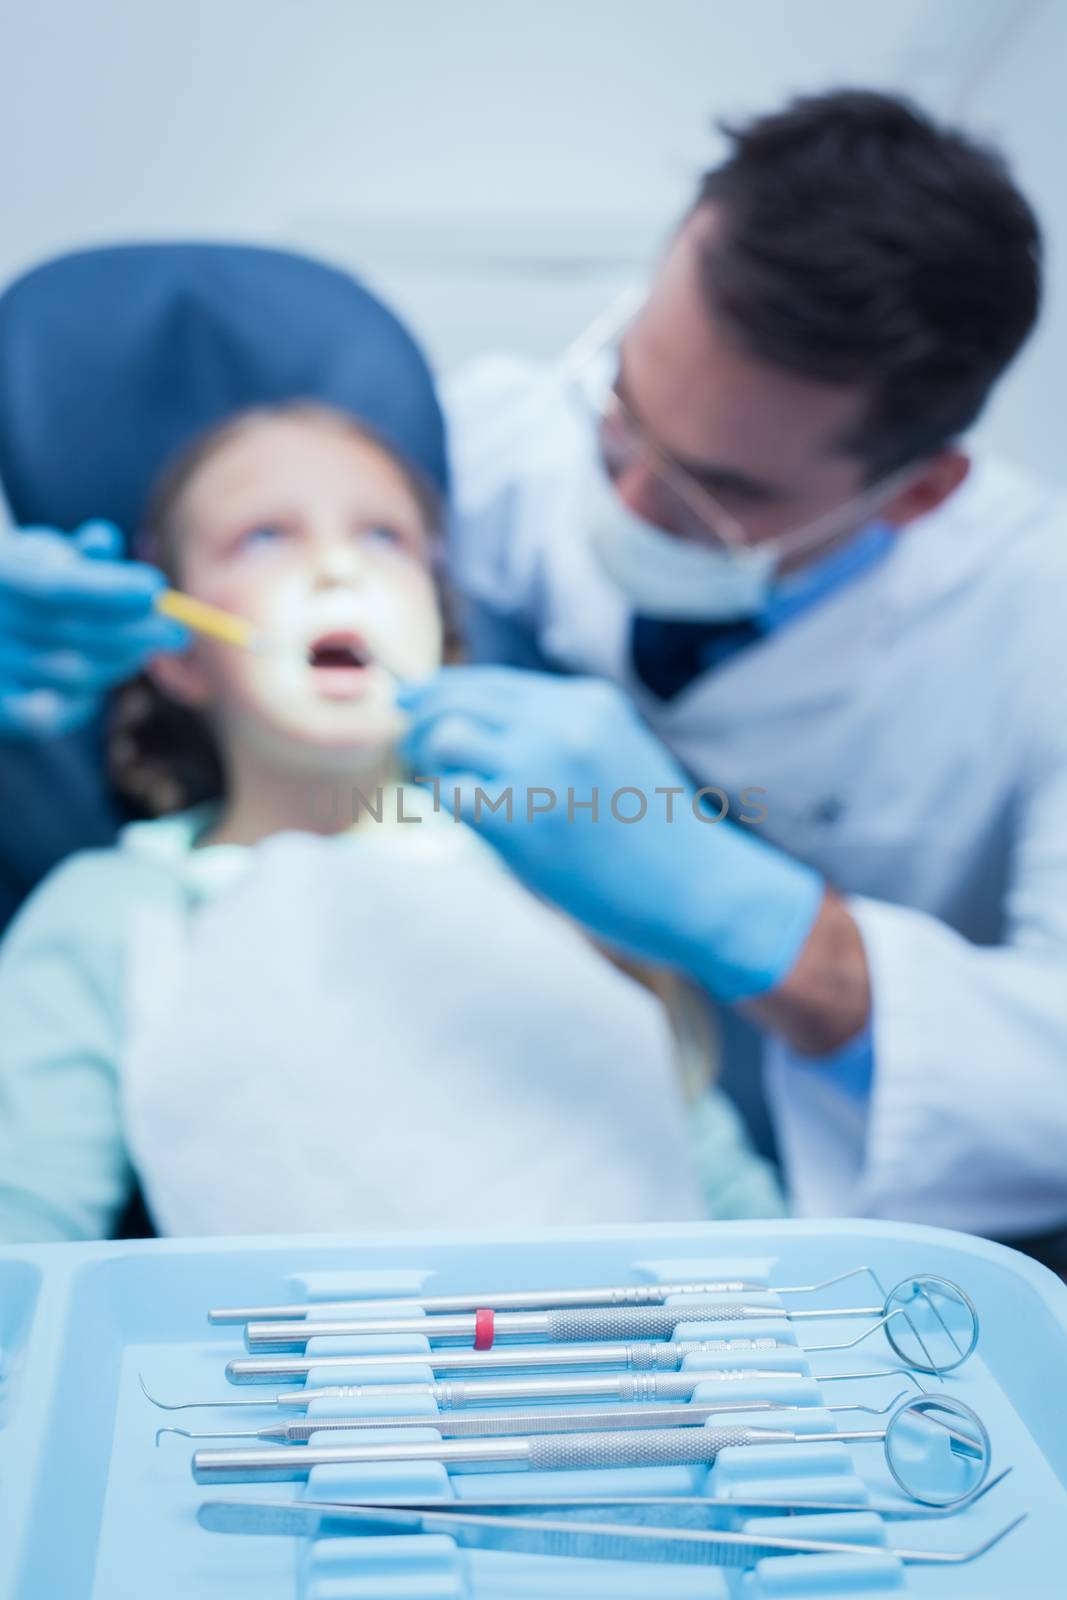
{"x":676,"y":501}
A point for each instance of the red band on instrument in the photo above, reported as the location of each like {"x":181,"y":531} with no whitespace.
{"x":483,"y":1330}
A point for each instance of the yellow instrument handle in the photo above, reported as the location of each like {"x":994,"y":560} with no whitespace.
{"x":204,"y":618}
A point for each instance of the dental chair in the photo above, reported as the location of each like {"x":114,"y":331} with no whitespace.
{"x":111,"y":360}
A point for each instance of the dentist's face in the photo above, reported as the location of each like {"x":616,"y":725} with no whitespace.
{"x":763,"y":443}
{"x":313,"y":534}
{"x":756,"y":445}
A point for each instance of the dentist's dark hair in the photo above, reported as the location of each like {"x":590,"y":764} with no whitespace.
{"x":857,"y":241}
{"x":163,"y":756}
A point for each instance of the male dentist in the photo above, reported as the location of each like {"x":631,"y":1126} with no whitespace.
{"x":747,"y":539}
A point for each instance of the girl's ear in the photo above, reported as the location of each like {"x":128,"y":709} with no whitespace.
{"x":182,"y":677}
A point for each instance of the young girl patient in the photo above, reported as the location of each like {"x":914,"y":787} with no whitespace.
{"x":310,"y":1001}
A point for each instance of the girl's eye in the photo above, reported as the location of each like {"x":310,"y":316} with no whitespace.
{"x":260,"y":537}
{"x":382,"y":533}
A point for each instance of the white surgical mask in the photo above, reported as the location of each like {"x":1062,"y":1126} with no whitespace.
{"x":668,"y":576}
{"x":665,"y":576}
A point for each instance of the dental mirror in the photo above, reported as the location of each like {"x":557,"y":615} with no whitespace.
{"x":937,"y":1450}
{"x":930,"y":1323}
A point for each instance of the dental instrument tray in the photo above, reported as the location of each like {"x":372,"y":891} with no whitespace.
{"x":549,"y":1415}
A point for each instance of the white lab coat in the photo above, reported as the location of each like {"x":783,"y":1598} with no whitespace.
{"x":910,"y":732}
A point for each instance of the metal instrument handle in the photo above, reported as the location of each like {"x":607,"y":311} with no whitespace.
{"x":659,"y":1447}
{"x":575,"y":1325}
{"x":631,"y":1294}
{"x":275,"y":1463}
{"x":641,"y":1322}
{"x":637,"y":1357}
{"x":656,"y":1447}
{"x":525,"y":1420}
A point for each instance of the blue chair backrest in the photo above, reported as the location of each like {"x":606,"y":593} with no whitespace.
{"x":112,"y":360}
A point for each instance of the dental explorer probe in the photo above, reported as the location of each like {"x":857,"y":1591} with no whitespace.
{"x":523,"y":1419}
{"x":630,"y":1294}
{"x":451,"y":1394}
{"x":656,"y":1447}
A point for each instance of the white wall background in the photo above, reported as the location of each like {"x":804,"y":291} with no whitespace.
{"x":498,"y":166}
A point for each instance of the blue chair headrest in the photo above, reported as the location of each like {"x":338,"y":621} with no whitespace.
{"x":111,"y":360}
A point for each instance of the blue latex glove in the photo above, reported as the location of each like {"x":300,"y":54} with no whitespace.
{"x":75,"y":619}
{"x":707,"y":896}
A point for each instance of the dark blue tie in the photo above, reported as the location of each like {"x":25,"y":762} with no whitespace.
{"x":668,"y":655}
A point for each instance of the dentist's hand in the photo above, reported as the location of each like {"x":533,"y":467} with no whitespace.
{"x":75,"y":619}
{"x":674,"y":885}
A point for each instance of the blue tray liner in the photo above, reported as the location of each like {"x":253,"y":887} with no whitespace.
{"x":697,"y":1269}
{"x":824,"y":1576}
{"x":367,"y":1344}
{"x":353,"y":1285}
{"x":436,"y":1570}
{"x":379,"y":1403}
{"x":786,"y":1391}
{"x":19,"y":1286}
{"x":429,"y":1568}
{"x":407,"y":1281}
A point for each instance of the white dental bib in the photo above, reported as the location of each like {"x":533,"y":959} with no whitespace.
{"x":385,"y":1030}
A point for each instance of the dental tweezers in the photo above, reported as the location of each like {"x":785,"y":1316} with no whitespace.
{"x":555,"y":1536}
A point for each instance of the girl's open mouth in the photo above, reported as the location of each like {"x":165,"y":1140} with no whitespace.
{"x":339,"y":663}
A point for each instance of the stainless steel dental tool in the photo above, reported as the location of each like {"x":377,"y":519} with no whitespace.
{"x":521,"y":1419}
{"x":937,"y":1432}
{"x":629,"y":1294}
{"x":950,"y":1323}
{"x":684,"y":1510}
{"x":559,"y":1535}
{"x":667,"y":1355}
{"x":640,"y":1356}
{"x":451,"y":1394}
